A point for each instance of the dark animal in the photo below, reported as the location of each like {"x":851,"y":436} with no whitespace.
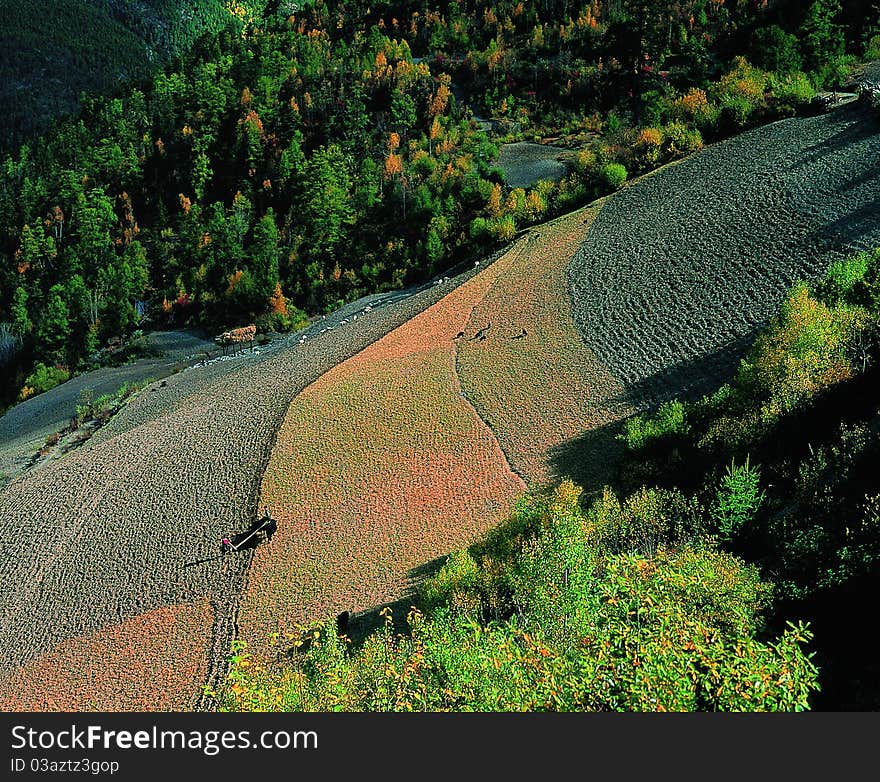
{"x":459,"y":335}
{"x":342,"y":623}
{"x":481,"y":334}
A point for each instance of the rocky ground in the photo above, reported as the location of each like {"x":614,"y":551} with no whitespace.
{"x":25,"y":427}
{"x":524,"y":164}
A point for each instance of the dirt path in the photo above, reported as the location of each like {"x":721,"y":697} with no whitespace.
{"x":24,"y":428}
{"x":546,"y":396}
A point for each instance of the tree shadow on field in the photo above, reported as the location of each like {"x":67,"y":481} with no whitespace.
{"x":690,"y":378}
{"x":592,"y":458}
{"x":364,"y":623}
{"x":866,"y":127}
{"x":359,"y":626}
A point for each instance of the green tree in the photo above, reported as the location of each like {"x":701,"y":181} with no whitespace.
{"x":821,"y":37}
{"x":325,"y":208}
{"x":737,"y":500}
{"x":264,"y":260}
{"x":54,"y":329}
{"x":773,"y":49}
{"x":21,"y":322}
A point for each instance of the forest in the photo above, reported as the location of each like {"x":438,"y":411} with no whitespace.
{"x":294,"y":161}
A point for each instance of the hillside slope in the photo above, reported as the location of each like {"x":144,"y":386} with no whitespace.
{"x":130,"y":523}
{"x":679,"y":270}
{"x":125,"y":529}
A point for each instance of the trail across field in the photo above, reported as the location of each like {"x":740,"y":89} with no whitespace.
{"x":24,"y":429}
{"x":552,"y":404}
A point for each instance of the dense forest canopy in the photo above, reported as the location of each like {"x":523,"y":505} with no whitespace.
{"x":295,"y":160}
{"x":50,"y":56}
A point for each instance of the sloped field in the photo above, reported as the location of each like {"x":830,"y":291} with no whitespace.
{"x":24,"y":429}
{"x":147,"y":663}
{"x":548,"y":399}
{"x":130,"y":523}
{"x":109,"y":556}
{"x":380,"y":467}
{"x":679,"y":269}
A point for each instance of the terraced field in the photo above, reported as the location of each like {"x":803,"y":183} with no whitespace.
{"x":679,"y":269}
{"x":24,"y":429}
{"x":548,"y":399}
{"x":93,"y":545}
{"x":380,"y":467}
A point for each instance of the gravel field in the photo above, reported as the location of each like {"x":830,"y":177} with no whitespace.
{"x":681,"y":268}
{"x":131,"y":521}
{"x":524,"y":164}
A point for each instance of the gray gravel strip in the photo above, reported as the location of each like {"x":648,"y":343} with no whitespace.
{"x":680,"y":269}
{"x":524,"y":164}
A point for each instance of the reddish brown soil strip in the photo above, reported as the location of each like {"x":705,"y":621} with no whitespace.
{"x":380,"y":467}
{"x":148,"y":663}
{"x":549,"y":400}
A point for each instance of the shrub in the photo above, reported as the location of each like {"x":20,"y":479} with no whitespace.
{"x":695,"y":108}
{"x":642,"y":431}
{"x":791,"y":93}
{"x":613,"y":175}
{"x":844,"y":279}
{"x":674,"y":634}
{"x":643,"y":523}
{"x":681,"y":139}
{"x":456,"y":583}
{"x":648,"y":146}
{"x":585,"y":162}
{"x":43,"y":379}
{"x":804,"y":350}
{"x":502,"y":229}
{"x":741,"y":92}
{"x":737,"y":500}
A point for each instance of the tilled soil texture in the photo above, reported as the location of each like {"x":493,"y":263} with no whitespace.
{"x":132,"y":520}
{"x":524,"y":164}
{"x":550,"y":402}
{"x":24,"y":429}
{"x":380,"y":468}
{"x":147,"y":663}
{"x":680,"y":269}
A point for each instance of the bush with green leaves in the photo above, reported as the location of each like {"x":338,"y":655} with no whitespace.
{"x":591,"y":630}
{"x":642,"y":431}
{"x":612,"y":176}
{"x":42,"y":379}
{"x":737,"y":500}
{"x":805,"y":350}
